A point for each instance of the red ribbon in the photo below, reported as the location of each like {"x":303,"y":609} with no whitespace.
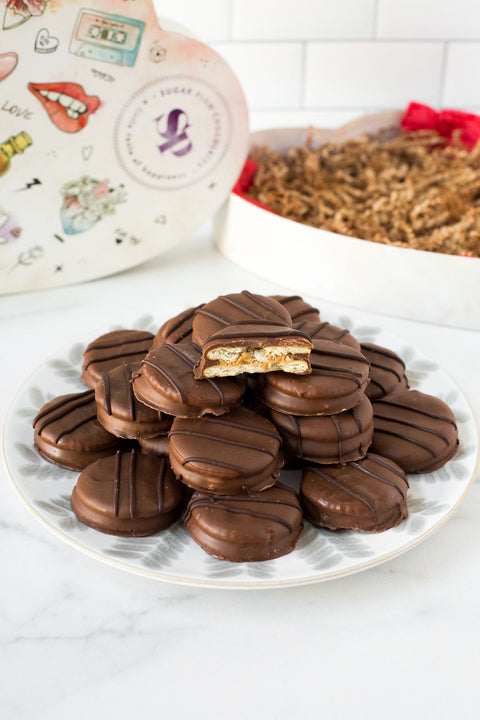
{"x":445,"y":122}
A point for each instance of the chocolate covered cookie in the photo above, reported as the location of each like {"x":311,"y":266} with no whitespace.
{"x":326,"y":331}
{"x":246,"y":528}
{"x":327,"y":439}
{"x":178,"y":329}
{"x":157,"y":445}
{"x":119,"y":411}
{"x":416,"y":430}
{"x":337,"y":382}
{"x":256,"y":347}
{"x":233,"y":309}
{"x":110,"y":350}
{"x":387,"y":371}
{"x":128,"y":494}
{"x":166,"y":383}
{"x":298,"y":308}
{"x":237,"y":452}
{"x":68,"y":433}
{"x":369,"y":495}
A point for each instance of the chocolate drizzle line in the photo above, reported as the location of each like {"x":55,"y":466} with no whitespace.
{"x":261,"y":302}
{"x":109,"y":346}
{"x":166,"y":375}
{"x":343,"y":486}
{"x":67,"y":431}
{"x":205,"y":501}
{"x":132,"y":467}
{"x":116,"y":482}
{"x":161,"y":484}
{"x":240,"y":426}
{"x":400,"y":421}
{"x":184,"y":318}
{"x":387,"y":466}
{"x":139,"y":351}
{"x":68,"y":404}
{"x":405,"y":437}
{"x":297,"y":434}
{"x":339,"y":429}
{"x":227,"y":441}
{"x":130,"y":395}
{"x":389,"y":401}
{"x":273,"y":333}
{"x":216,"y":463}
{"x":107,"y":397}
{"x":191,"y":363}
{"x":384,"y":352}
{"x":364,"y":470}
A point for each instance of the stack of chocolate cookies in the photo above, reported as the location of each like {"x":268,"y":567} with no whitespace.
{"x":208,"y":411}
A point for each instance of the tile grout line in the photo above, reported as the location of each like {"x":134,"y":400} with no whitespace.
{"x":443,"y":74}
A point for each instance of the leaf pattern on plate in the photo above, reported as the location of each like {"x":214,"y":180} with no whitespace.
{"x":154,"y":551}
{"x":145,"y":322}
{"x":38,"y":399}
{"x":60,"y":507}
{"x":36,"y":466}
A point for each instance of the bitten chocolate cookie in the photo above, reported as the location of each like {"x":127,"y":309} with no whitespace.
{"x":128,"y":494}
{"x":328,"y":439}
{"x":368,"y":495}
{"x":235,"y":453}
{"x":256,"y":347}
{"x":246,"y":528}
{"x":337,"y":382}
{"x":110,"y":350}
{"x":178,"y":329}
{"x":326,"y":331}
{"x":234,"y":309}
{"x":68,"y":433}
{"x":119,"y":411}
{"x":416,"y":430}
{"x":165,"y":382}
{"x":387,"y":371}
{"x":298,"y":308}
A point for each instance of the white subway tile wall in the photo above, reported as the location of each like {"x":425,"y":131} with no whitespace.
{"x":325,"y":62}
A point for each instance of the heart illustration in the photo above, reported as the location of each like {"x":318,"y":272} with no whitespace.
{"x":8,"y":63}
{"x":45,"y":43}
{"x":87,"y":152}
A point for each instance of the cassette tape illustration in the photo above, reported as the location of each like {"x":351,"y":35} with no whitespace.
{"x":110,"y":38}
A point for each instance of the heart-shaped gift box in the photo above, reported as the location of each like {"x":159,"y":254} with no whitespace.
{"x":118,"y":138}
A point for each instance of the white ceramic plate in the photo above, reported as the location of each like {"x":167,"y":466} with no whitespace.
{"x":172,"y":555}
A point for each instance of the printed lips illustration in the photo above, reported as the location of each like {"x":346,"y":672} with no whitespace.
{"x":66,"y":103}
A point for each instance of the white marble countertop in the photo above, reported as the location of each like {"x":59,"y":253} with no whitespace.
{"x":80,"y":639}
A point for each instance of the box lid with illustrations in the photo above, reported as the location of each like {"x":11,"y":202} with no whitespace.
{"x":118,"y":138}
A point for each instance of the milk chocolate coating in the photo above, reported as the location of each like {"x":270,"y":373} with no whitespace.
{"x":165,"y":382}
{"x":68,"y":433}
{"x":119,"y":411}
{"x":233,"y":309}
{"x":235,"y":453}
{"x":157,"y":445}
{"x":328,"y":439}
{"x":369,"y":495}
{"x":110,"y":350}
{"x":246,"y":528}
{"x":326,"y":331}
{"x":387,"y":371}
{"x":291,"y":350}
{"x":416,"y":430}
{"x":178,"y":329}
{"x":298,"y":308}
{"x":338,"y":381}
{"x":128,"y":494}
